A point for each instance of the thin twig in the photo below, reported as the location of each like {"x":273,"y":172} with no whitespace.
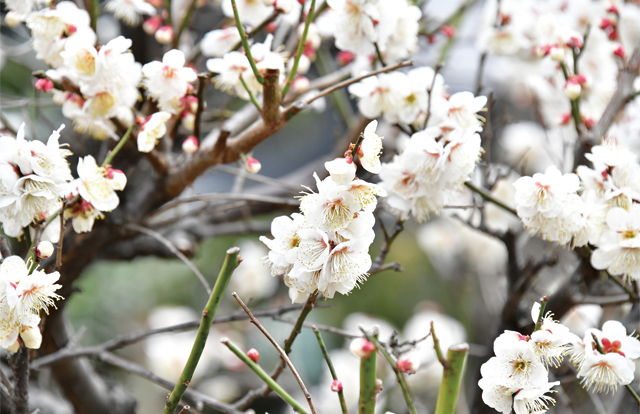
{"x":348,"y":82}
{"x":228,"y":196}
{"x":334,"y":376}
{"x":436,"y":70}
{"x":436,"y":347}
{"x":283,"y":354}
{"x":60,"y":242}
{"x":489,"y":197}
{"x":377,"y":265}
{"x":301,"y":46}
{"x":245,"y":43}
{"x":173,"y":250}
{"x":202,"y":83}
{"x":251,"y":97}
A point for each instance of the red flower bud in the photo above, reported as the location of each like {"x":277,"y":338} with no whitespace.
{"x":253,"y":354}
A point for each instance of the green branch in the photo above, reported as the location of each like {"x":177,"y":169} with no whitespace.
{"x":490,"y":198}
{"x":245,"y":42}
{"x":184,"y":23}
{"x":303,"y":40}
{"x":399,"y":376}
{"x":264,"y":376}
{"x":368,"y":384}
{"x":230,"y":263}
{"x":327,"y":358}
{"x":112,"y":153}
{"x":251,"y":97}
{"x":543,"y":305}
{"x":451,"y":378}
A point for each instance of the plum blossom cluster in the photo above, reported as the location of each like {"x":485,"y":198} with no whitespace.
{"x":33,"y":178}
{"x":107,"y":81}
{"x":430,"y":171}
{"x":361,"y":26}
{"x":23,"y":294}
{"x":517,"y":378}
{"x":326,"y":248}
{"x":605,"y":358}
{"x":597,"y":206}
{"x":540,"y":39}
{"x":95,"y":188}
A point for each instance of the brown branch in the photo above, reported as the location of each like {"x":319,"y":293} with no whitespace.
{"x":283,"y":354}
{"x":271,"y":97}
{"x":203,"y":80}
{"x":5,"y":250}
{"x":377,"y":265}
{"x":19,"y":363}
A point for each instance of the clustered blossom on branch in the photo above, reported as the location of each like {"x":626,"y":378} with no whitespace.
{"x":598,"y":206}
{"x":33,"y":178}
{"x":609,"y":363}
{"x":23,"y":294}
{"x":326,"y":248}
{"x":517,"y":378}
{"x":430,"y":171}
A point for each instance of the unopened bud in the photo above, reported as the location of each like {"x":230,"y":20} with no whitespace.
{"x":44,"y":84}
{"x":44,"y":249}
{"x":189,"y":120}
{"x":253,"y":355}
{"x":190,"y":145}
{"x":572,"y":89}
{"x":303,"y":65}
{"x":271,"y":27}
{"x":336,"y":386}
{"x":344,"y":58}
{"x":408,"y":365}
{"x":301,"y":84}
{"x":448,"y":31}
{"x":12,"y":19}
{"x":557,"y":53}
{"x":32,"y":337}
{"x":164,"y":35}
{"x":269,"y":2}
{"x":565,"y":118}
{"x":155,"y":3}
{"x":361,"y":348}
{"x":619,"y":52}
{"x":15,"y":347}
{"x":253,"y":165}
{"x":152,"y":24}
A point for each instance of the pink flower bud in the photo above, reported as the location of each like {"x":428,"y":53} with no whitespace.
{"x":44,"y":84}
{"x":336,"y":386}
{"x":361,"y":348}
{"x":164,"y":35}
{"x":190,"y":145}
{"x":253,"y":165}
{"x":253,"y":355}
{"x":271,"y":27}
{"x":44,"y":250}
{"x":344,"y":58}
{"x":155,"y":3}
{"x":619,"y":52}
{"x":408,"y":365}
{"x":448,"y":31}
{"x":152,"y":24}
{"x":565,"y":118}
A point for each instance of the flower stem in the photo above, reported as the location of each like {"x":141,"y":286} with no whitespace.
{"x":379,"y":54}
{"x":184,"y":23}
{"x":451,"y":378}
{"x":325,"y":354}
{"x":368,"y":386}
{"x":303,"y":40}
{"x":245,"y":42}
{"x":399,"y":376}
{"x":264,"y":376}
{"x":112,"y":153}
{"x":543,"y":305}
{"x":230,"y":263}
{"x":489,"y":198}
{"x":251,"y":97}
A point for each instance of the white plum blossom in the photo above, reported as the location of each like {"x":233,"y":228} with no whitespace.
{"x":23,"y":294}
{"x":130,"y":11}
{"x":168,"y":81}
{"x":370,"y":148}
{"x":251,"y":12}
{"x":97,"y":185}
{"x":219,"y":42}
{"x":619,"y":248}
{"x":551,"y":339}
{"x":152,"y":130}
